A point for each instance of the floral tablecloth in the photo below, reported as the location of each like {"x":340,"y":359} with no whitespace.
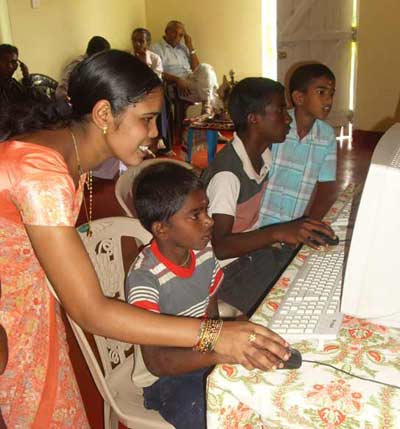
{"x":313,"y":396}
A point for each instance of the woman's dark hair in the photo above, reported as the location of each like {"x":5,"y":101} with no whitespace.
{"x":251,"y":95}
{"x":160,"y":191}
{"x":110,"y":75}
{"x":97,"y":44}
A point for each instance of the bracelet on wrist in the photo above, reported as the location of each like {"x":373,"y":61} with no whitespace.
{"x":208,"y":335}
{"x":192,"y":52}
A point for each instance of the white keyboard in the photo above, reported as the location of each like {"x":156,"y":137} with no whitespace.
{"x":343,"y":217}
{"x":310,"y":308}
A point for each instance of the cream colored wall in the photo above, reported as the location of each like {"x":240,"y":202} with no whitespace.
{"x":378,"y":76}
{"x":58,"y":31}
{"x":226,"y":33}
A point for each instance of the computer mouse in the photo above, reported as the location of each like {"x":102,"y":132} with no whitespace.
{"x":294,"y":360}
{"x":327,"y":239}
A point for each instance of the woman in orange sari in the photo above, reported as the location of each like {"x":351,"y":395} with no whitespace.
{"x":115,"y":99}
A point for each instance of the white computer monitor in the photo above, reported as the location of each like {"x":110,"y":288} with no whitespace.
{"x":371,"y":287}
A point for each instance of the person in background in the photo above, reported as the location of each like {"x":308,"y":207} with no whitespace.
{"x":141,"y":40}
{"x":11,"y":90}
{"x":236,"y":181}
{"x":95,"y":44}
{"x":194,"y":81}
{"x":114,"y":100}
{"x":306,"y":160}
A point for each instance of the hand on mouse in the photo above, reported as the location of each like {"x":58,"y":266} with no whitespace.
{"x":304,"y":231}
{"x":295,"y":360}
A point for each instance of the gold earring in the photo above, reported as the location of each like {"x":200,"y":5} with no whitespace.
{"x":105,"y":129}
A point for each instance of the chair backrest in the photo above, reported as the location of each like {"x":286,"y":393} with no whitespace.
{"x":104,"y":247}
{"x":118,"y":393}
{"x":123,"y":187}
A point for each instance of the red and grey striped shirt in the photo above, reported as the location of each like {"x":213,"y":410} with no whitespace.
{"x":157,"y":284}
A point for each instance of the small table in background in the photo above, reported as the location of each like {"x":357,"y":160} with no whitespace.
{"x":212,"y":127}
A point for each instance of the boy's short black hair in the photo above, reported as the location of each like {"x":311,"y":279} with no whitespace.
{"x":251,"y":95}
{"x":305,"y":74}
{"x":160,"y":190}
{"x":8,"y":49}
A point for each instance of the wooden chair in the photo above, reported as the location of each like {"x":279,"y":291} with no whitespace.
{"x":179,"y":107}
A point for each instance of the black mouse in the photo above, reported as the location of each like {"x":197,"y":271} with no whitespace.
{"x":294,"y":360}
{"x":327,"y":240}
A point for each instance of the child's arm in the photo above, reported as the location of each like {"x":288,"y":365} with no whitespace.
{"x":212,"y":308}
{"x":162,"y":361}
{"x":227,"y":244}
{"x":223,"y":193}
{"x":317,"y":206}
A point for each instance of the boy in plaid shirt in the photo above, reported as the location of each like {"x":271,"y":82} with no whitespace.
{"x":308,"y":155}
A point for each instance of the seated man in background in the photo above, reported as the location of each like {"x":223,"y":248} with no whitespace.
{"x":194,"y":81}
{"x":10,"y":89}
{"x":141,"y":39}
{"x":95,"y":44}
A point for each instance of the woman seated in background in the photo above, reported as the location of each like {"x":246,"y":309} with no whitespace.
{"x":95,"y":44}
{"x":114,"y":100}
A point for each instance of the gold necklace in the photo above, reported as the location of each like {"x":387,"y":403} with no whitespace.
{"x":186,"y":260}
{"x":89,"y":186}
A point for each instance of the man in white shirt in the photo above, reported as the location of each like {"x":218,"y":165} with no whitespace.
{"x":141,"y":39}
{"x":194,"y":81}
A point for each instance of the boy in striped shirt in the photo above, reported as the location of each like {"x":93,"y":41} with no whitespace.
{"x":176,"y":274}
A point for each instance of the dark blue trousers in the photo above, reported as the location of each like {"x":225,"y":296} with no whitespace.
{"x":180,"y":399}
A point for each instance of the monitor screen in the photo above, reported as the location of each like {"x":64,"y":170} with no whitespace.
{"x":371,"y":287}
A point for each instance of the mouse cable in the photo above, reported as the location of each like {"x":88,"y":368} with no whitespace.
{"x":352,"y":375}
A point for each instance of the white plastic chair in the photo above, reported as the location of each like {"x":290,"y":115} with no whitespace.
{"x":123,"y":401}
{"x":123,"y":187}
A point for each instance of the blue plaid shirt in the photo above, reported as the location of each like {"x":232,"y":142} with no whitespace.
{"x":296,"y":168}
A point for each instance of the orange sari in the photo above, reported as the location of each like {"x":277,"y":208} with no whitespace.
{"x":38,"y":389}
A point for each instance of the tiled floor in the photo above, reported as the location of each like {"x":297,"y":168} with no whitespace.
{"x":352,"y":167}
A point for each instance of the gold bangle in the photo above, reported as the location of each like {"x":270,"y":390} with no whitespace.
{"x":209,"y":332}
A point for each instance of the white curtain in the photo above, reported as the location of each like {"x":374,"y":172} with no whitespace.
{"x":5,"y":26}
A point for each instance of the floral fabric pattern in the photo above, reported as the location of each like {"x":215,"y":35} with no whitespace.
{"x":314,"y":396}
{"x":38,"y":389}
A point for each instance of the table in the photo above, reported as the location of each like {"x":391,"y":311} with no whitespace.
{"x":314,"y":396}
{"x":212,"y":127}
